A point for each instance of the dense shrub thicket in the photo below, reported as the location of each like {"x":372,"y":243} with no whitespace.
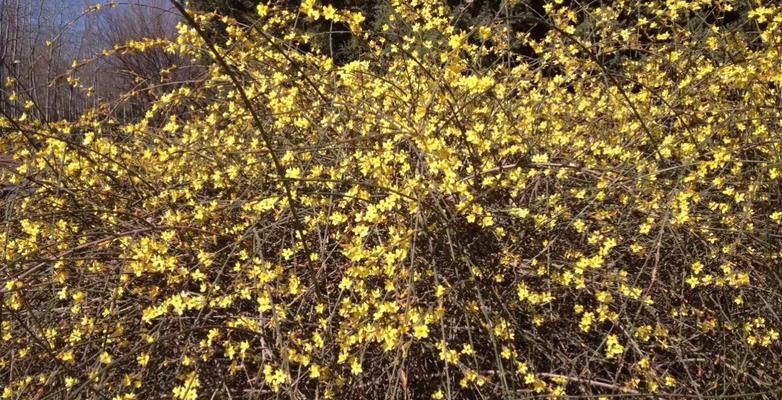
{"x":464,"y":211}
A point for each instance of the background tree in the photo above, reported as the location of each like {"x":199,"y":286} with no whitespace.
{"x":58,"y":58}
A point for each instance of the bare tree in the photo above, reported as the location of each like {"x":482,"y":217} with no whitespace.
{"x":31,"y":58}
{"x":39,"y":39}
{"x":147,"y":74}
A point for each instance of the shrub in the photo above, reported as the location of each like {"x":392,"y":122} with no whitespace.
{"x":444,"y":217}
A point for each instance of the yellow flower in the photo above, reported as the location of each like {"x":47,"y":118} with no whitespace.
{"x":67,"y":356}
{"x":105,"y":358}
{"x":329,"y":12}
{"x":439,"y":291}
{"x":188,"y":389}
{"x":612,"y":347}
{"x":143,"y":359}
{"x":421,"y":331}
{"x":315,"y":371}
{"x":355,"y":367}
